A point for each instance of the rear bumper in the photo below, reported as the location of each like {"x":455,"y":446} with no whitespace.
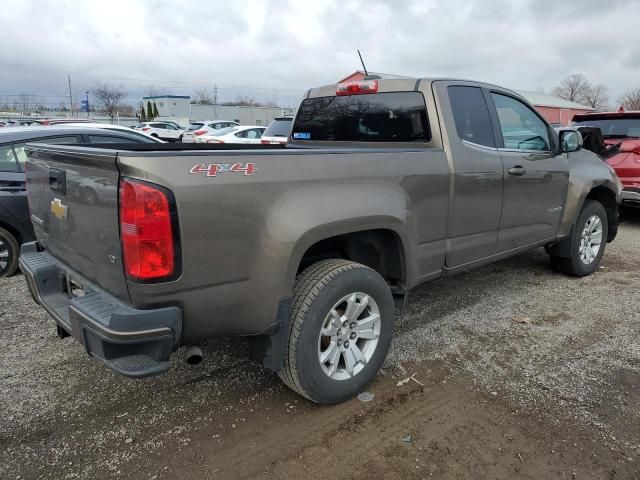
{"x":132,"y":342}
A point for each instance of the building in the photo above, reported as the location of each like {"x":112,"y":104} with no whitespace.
{"x":553,"y":109}
{"x":170,"y":105}
{"x":180,"y":109}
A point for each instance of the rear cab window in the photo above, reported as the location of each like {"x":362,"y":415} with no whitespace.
{"x":393,"y":117}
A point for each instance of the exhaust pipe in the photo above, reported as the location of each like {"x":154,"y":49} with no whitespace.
{"x":194,"y":355}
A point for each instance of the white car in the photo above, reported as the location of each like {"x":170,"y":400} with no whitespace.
{"x":277,"y":131}
{"x":246,"y":134}
{"x":163,"y":130}
{"x":206,"y":127}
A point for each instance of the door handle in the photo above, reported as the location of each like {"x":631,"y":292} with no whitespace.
{"x":517,"y":171}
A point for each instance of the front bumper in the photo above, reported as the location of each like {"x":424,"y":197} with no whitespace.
{"x":630,"y":194}
{"x":130,"y":341}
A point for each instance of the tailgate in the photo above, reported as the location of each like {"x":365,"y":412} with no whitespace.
{"x":73,"y":200}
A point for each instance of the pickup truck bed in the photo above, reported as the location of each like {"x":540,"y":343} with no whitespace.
{"x":307,"y":248}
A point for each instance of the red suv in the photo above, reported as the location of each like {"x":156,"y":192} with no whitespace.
{"x":621,"y":135}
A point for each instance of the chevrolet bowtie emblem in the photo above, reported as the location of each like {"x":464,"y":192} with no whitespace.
{"x":58,"y":209}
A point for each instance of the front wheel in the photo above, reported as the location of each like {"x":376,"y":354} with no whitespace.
{"x":588,"y":238}
{"x":340,"y":330}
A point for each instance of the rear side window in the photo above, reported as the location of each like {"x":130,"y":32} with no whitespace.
{"x":8,"y":161}
{"x":279,"y":128}
{"x":63,"y":140}
{"x":195,"y":126}
{"x":379,"y":117}
{"x":471,"y":115}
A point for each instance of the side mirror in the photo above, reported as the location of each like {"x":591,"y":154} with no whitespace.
{"x":570,"y":140}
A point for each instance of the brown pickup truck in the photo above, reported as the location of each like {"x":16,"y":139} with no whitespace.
{"x":309,"y":249}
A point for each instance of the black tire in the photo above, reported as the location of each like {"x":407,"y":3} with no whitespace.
{"x":317,"y":290}
{"x":180,"y":139}
{"x":9,"y":247}
{"x":574,"y":265}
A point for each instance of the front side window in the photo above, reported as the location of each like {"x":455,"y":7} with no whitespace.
{"x":522,"y":128}
{"x":471,"y":115}
{"x":379,"y":117}
{"x":8,"y":161}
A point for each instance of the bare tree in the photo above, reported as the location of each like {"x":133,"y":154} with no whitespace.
{"x":204,"y":96}
{"x":109,"y":97}
{"x":244,"y":101}
{"x":25,"y":101}
{"x":597,"y":97}
{"x":630,"y":100}
{"x":151,"y":90}
{"x":573,"y":88}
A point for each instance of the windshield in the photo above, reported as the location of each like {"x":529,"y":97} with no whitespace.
{"x":279,"y":128}
{"x":195,"y":126}
{"x":380,"y":117}
{"x":613,"y":127}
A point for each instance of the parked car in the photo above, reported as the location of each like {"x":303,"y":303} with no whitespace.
{"x":249,"y":134}
{"x":620,"y":143}
{"x":115,"y":128}
{"x":61,"y":121}
{"x":278,"y":131}
{"x":309,"y":249}
{"x":208,"y":127}
{"x":163,"y":130}
{"x":15,"y":224}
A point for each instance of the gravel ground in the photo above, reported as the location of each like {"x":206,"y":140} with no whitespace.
{"x":554,"y":357}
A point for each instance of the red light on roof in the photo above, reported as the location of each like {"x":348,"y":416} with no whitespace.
{"x":357,"y":88}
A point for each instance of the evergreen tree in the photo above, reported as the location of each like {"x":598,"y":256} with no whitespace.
{"x":155,"y":110}
{"x":143,"y":117}
{"x":149,"y":111}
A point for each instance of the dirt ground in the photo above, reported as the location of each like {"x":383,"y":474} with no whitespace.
{"x":519,"y":373}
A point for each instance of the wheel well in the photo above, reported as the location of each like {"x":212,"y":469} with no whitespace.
{"x":380,"y":250}
{"x":607,"y":198}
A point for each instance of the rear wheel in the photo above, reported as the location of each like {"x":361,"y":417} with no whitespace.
{"x":9,"y":251}
{"x":341,"y":326}
{"x":589,"y":238}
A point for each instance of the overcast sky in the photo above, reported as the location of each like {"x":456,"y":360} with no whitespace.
{"x":274,"y":50}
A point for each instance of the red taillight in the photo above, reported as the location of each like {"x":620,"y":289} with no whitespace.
{"x":199,"y":132}
{"x":265,"y":142}
{"x":146,"y":231}
{"x":357,"y":88}
{"x":144,"y":129}
{"x":214,"y":140}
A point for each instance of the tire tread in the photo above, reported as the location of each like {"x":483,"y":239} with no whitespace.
{"x":309,"y":284}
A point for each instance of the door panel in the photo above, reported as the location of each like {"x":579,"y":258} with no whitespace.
{"x":476,"y":197}
{"x":536,"y":175}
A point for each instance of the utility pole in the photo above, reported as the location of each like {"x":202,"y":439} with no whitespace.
{"x":215,"y":101}
{"x":70,"y":96}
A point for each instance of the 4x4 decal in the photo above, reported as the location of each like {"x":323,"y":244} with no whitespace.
{"x":213,"y":169}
